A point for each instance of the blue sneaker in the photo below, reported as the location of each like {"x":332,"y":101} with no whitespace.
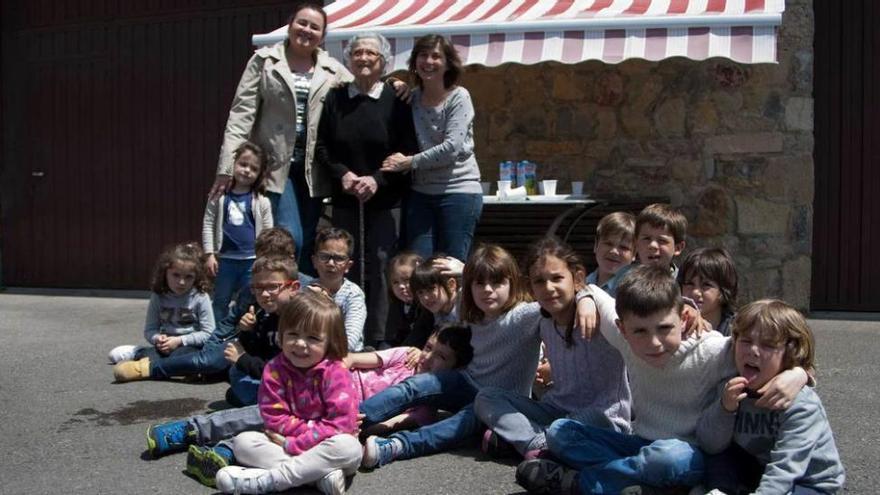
{"x":380,"y":451}
{"x":168,"y":438}
{"x":203,"y":463}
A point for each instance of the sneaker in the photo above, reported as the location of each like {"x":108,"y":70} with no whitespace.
{"x":168,"y":438}
{"x":123,"y":353}
{"x":380,"y":451}
{"x":332,"y":484}
{"x":233,"y":399}
{"x":496,"y":447}
{"x":236,"y":479}
{"x":536,"y":454}
{"x":128,"y":371}
{"x":546,"y":477}
{"x":203,"y":463}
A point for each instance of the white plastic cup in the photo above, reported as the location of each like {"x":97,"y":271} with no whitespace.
{"x":549,"y":187}
{"x":503,"y":188}
{"x":487,"y":186}
{"x":577,"y":188}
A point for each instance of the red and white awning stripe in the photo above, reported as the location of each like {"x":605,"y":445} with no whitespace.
{"x":493,"y":32}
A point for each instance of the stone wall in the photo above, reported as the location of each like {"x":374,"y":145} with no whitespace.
{"x":729,"y":144}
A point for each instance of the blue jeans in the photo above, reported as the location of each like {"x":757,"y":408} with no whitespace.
{"x":609,"y":461}
{"x":442,"y":223}
{"x":310,"y":210}
{"x":207,"y":360}
{"x":448,"y":390}
{"x":286,"y":214}
{"x":221,"y":425}
{"x":243,"y":386}
{"x":233,"y":276}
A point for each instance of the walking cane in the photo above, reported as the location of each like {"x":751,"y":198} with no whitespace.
{"x":361,"y":240}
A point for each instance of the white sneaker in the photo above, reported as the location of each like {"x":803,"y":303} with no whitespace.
{"x":332,"y":484}
{"x":123,"y":353}
{"x":236,"y":479}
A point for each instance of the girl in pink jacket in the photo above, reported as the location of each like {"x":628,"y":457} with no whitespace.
{"x":309,"y":406}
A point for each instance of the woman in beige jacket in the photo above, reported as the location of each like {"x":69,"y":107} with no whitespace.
{"x":277,"y":105}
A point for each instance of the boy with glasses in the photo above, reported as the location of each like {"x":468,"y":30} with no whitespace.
{"x":332,"y":260}
{"x":273,"y":281}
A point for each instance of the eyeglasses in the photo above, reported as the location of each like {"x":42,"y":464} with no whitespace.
{"x":272,"y":288}
{"x":327,"y":257}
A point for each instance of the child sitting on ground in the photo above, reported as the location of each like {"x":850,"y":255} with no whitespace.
{"x":274,"y":280}
{"x":438,"y":296}
{"x":231,"y":225}
{"x":209,"y":361}
{"x":332,"y":260}
{"x":790,"y":451}
{"x":403,"y":308}
{"x":590,"y":379}
{"x":613,"y":249}
{"x":309,"y":406}
{"x":179,"y":316}
{"x":673,"y":379}
{"x":708,"y":277}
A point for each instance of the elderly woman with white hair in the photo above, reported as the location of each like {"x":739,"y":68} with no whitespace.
{"x":362,"y":123}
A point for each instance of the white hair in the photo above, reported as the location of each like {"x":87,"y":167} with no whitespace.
{"x":381,"y":41}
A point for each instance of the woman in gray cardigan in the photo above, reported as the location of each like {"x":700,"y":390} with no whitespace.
{"x":446,"y":198}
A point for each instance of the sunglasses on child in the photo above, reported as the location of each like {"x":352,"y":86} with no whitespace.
{"x":327,"y":257}
{"x":272,"y":288}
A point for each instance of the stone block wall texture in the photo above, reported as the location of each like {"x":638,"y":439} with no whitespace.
{"x":731,"y":145}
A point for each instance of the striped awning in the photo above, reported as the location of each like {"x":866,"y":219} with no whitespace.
{"x":494,"y":32}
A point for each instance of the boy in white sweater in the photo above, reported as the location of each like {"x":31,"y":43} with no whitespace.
{"x":673,"y":379}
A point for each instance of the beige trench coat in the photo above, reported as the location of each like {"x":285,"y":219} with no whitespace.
{"x":264,"y":111}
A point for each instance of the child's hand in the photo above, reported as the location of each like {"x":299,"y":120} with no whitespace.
{"x":167,"y":344}
{"x":586,"y":317}
{"x":449,"y":266}
{"x":412,"y":357}
{"x":734,"y":392}
{"x":247,"y":321}
{"x":211,"y":264}
{"x":694,"y":323}
{"x":543,"y":376}
{"x":782,"y":389}
{"x":233,"y":352}
{"x":275,"y":438}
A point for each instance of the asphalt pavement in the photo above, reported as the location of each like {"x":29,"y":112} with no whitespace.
{"x":67,"y":428}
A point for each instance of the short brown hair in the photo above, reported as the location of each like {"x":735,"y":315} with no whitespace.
{"x":334,"y":234}
{"x":713,"y":264}
{"x":188,"y":252}
{"x":281,"y":264}
{"x":779,"y":325}
{"x":618,"y":224}
{"x":275,"y":241}
{"x":661,"y":215}
{"x":646,"y":290}
{"x":260,"y":181}
{"x":312,"y":313}
{"x":490,"y":263}
{"x":453,"y":61}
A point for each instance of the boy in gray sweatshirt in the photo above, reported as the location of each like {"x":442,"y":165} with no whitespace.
{"x":773,"y":452}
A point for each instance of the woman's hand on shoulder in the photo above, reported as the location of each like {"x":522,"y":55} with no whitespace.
{"x":449,"y":266}
{"x":220,"y":186}
{"x":397,"y":162}
{"x":401,"y":89}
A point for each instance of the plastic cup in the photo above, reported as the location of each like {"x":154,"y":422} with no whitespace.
{"x":503,"y":188}
{"x":487,"y":186}
{"x":549,"y":187}
{"x":577,"y":188}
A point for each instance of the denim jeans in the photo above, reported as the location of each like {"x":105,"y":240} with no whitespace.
{"x":243,"y":386}
{"x":609,"y":461}
{"x":286,"y":214}
{"x":442,"y":223}
{"x":207,"y":360}
{"x":233,"y":276}
{"x":310,"y":210}
{"x":516,"y":418}
{"x":447,"y":390}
